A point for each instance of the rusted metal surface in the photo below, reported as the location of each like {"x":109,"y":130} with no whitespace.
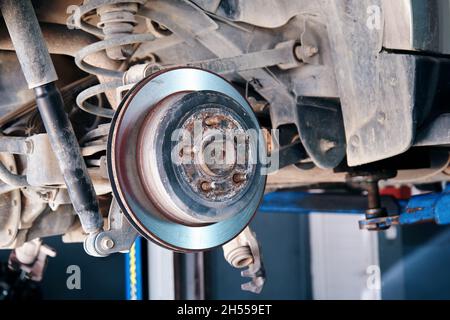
{"x":215,"y":174}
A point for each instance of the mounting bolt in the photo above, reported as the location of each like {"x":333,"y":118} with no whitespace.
{"x":212,"y":121}
{"x":207,"y":186}
{"x":310,"y":51}
{"x":239,"y":177}
{"x":302,"y":52}
{"x":107,"y":243}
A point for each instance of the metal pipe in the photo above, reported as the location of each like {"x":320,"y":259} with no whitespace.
{"x":12,"y":179}
{"x":373,"y":195}
{"x":40,"y":74}
{"x":6,"y":188}
{"x":15,"y":145}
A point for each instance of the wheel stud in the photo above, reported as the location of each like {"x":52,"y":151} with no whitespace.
{"x":239,"y":178}
{"x":212,"y":121}
{"x":207,"y":186}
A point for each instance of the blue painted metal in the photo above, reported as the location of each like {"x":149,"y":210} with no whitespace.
{"x":133,"y":272}
{"x":308,"y":203}
{"x":433,"y":207}
{"x":299,"y":203}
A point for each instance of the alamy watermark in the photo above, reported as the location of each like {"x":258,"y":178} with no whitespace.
{"x":73,"y":281}
{"x":373,"y":281}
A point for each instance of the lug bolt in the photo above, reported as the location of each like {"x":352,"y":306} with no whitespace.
{"x":207,"y":186}
{"x":239,"y":178}
{"x":212,"y":121}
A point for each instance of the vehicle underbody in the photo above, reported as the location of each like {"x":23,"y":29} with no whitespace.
{"x":347,"y":93}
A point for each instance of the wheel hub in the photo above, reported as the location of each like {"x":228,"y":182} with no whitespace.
{"x":212,"y":163}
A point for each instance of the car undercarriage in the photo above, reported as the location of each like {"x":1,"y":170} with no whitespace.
{"x":172,"y":119}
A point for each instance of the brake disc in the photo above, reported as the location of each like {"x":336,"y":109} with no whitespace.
{"x":184,"y":157}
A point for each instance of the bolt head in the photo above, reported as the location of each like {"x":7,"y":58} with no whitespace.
{"x":206,"y":186}
{"x":212,"y":121}
{"x":239,"y":177}
{"x":107,"y":243}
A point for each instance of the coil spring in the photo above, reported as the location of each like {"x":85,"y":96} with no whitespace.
{"x":115,"y":21}
{"x":116,"y":26}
